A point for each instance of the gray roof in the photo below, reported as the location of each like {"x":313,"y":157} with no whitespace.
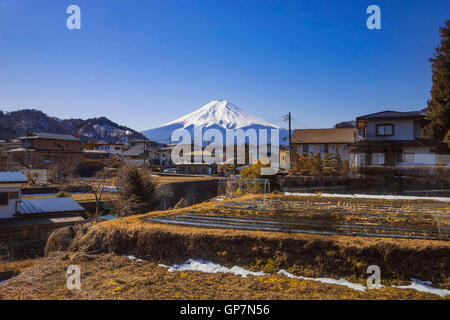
{"x":388,"y":114}
{"x":45,"y":135}
{"x":53,"y":205}
{"x":96,"y":151}
{"x":12,"y":177}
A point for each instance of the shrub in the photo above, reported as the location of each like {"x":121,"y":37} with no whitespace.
{"x":63,"y":194}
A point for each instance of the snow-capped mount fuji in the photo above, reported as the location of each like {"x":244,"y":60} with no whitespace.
{"x":218,"y":114}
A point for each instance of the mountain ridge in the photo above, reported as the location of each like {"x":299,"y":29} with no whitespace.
{"x":15,"y":123}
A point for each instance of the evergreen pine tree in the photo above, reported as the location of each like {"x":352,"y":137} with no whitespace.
{"x":138,"y":191}
{"x":439,"y":105}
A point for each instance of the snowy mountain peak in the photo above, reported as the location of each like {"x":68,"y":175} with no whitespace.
{"x":220,"y":113}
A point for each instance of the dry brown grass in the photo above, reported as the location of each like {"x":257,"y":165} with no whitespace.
{"x":107,"y":276}
{"x":81,"y":197}
{"x":113,"y":277}
{"x":10,"y":269}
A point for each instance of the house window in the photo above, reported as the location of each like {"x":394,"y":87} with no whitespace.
{"x":378,"y":158}
{"x":3,"y":198}
{"x":361,"y":159}
{"x":324,"y":148}
{"x":408,"y":157}
{"x":305,"y":148}
{"x":385,"y":130}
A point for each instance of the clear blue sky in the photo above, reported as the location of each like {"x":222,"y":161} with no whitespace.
{"x":143,"y":63}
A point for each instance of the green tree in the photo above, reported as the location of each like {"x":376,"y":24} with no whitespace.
{"x":439,"y":104}
{"x":138,"y":190}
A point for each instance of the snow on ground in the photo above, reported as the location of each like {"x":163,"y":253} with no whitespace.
{"x":211,"y":267}
{"x":340,"y":282}
{"x":366,"y":196}
{"x":424,"y":286}
{"x":132,"y":258}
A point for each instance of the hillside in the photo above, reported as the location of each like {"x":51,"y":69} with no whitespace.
{"x":16,"y":123}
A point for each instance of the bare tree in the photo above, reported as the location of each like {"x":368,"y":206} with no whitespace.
{"x":64,"y":168}
{"x":96,"y":186}
{"x":32,"y":177}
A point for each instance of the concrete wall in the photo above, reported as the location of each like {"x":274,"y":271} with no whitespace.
{"x":192,"y":191}
{"x":26,"y":240}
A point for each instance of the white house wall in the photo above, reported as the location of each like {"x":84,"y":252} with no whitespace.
{"x":8,"y":211}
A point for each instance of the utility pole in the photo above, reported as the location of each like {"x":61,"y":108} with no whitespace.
{"x":288,"y":118}
{"x":26,"y":148}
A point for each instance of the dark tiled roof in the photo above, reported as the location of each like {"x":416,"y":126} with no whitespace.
{"x":55,"y":136}
{"x":388,"y":114}
{"x":12,"y":177}
{"x":418,"y":142}
{"x":344,"y":135}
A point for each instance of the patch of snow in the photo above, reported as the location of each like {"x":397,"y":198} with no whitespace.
{"x":424,"y":286}
{"x":211,"y":267}
{"x":340,"y":282}
{"x":366,"y":196}
{"x":132,"y":258}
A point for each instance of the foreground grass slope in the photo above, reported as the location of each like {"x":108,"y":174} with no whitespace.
{"x":97,"y":249}
{"x":108,"y":276}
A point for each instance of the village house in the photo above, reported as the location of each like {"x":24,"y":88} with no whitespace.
{"x":142,"y":152}
{"x":333,"y":141}
{"x":166,"y":156}
{"x":48,"y":147}
{"x":194,"y":163}
{"x":13,"y":206}
{"x":114,"y":149}
{"x":395,"y":138}
{"x":196,"y":168}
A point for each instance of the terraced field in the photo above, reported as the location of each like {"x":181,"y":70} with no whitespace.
{"x":412,"y":219}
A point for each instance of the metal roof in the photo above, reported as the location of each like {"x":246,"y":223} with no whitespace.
{"x":344,"y":135}
{"x":388,"y":114}
{"x":53,"y":205}
{"x":108,"y":217}
{"x":45,"y":135}
{"x":12,"y":177}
